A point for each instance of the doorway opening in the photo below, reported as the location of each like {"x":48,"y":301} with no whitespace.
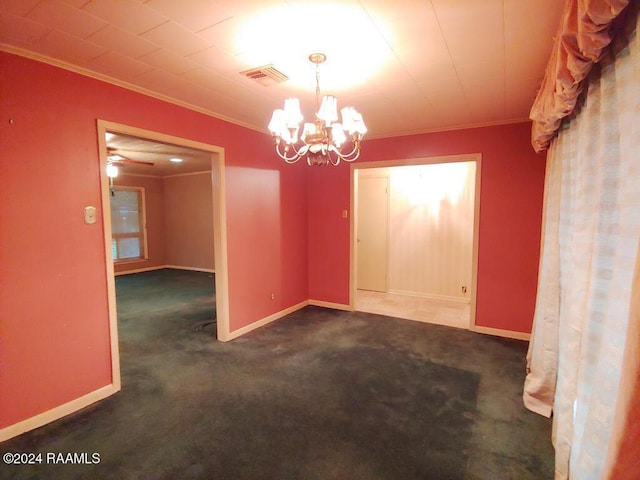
{"x":414,"y":241}
{"x":192,"y":250}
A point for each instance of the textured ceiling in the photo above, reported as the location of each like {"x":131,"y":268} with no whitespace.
{"x":409,"y":66}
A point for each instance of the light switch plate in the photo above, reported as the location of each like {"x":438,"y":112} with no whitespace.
{"x":89,"y":215}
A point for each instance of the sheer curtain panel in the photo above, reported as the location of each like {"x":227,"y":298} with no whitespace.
{"x":583,"y":357}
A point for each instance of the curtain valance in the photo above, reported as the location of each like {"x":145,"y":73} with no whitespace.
{"x":583,"y":35}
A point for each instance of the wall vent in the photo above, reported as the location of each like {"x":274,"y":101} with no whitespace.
{"x":266,"y":75}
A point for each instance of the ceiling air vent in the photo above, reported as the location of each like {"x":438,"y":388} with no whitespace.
{"x":266,"y":75}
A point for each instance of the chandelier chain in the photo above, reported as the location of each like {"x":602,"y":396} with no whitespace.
{"x":317,"y":86}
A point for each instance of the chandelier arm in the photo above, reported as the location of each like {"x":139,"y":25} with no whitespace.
{"x":351,"y":156}
{"x":352,"y":159}
{"x":339,"y":156}
{"x":293,"y":159}
{"x":289,"y":159}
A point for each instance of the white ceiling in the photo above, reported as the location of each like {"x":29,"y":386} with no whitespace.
{"x":409,"y":66}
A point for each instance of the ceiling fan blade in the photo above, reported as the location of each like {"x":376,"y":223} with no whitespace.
{"x":114,"y":156}
{"x":136,"y":162}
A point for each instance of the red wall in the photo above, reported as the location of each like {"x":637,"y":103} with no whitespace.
{"x":54,"y":338}
{"x":510,"y":218}
{"x":329,"y":250}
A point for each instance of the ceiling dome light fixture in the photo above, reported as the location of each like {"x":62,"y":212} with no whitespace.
{"x":112,"y":170}
{"x":323,"y":139}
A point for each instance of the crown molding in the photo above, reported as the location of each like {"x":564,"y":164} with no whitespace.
{"x":466,"y":126}
{"x":121,"y":83}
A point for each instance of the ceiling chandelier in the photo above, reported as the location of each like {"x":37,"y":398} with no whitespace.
{"x":322,"y":140}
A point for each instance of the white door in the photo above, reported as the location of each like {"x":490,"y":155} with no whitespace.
{"x":372,"y":231}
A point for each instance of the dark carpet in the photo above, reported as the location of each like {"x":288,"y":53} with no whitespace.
{"x":319,"y":394}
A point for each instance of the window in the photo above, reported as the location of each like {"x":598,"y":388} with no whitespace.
{"x":128,"y":240}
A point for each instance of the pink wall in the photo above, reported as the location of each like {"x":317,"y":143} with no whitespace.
{"x":54,"y":338}
{"x":189,"y":221}
{"x":329,"y":195}
{"x":510,"y":218}
{"x":154,"y":203}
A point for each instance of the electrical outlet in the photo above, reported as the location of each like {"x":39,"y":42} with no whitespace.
{"x":464,"y":289}
{"x":273,"y":296}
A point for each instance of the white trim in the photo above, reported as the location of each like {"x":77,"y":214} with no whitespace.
{"x":221,"y":260}
{"x":139,"y":270}
{"x":187,"y":174}
{"x":453,"y":128}
{"x":120,"y":83}
{"x":57,"y":412}
{"x":129,"y":261}
{"x":498,"y":332}
{"x":353,"y":257}
{"x":431,"y":296}
{"x":476,"y":241}
{"x":124,"y":174}
{"x":160,"y":267}
{"x":193,"y":269}
{"x":266,"y":320}
{"x":403,"y":162}
{"x":335,"y":306}
{"x":112,"y":310}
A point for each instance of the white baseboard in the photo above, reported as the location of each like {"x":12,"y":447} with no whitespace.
{"x":431,"y":296}
{"x":335,"y":306}
{"x":264,"y":321}
{"x":193,"y":269}
{"x":139,"y":270}
{"x":57,"y":412}
{"x":275,"y":316}
{"x":501,"y":333}
{"x":160,"y":267}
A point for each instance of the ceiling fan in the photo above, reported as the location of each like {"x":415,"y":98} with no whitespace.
{"x":118,"y":160}
{"x":115,"y":161}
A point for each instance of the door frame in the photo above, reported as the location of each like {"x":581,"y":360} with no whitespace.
{"x":353,"y":259}
{"x":219,"y":230}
